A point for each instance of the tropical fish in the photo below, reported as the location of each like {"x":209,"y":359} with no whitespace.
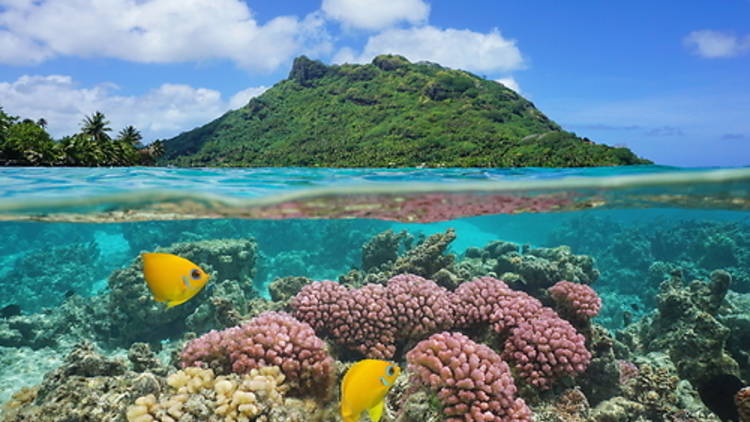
{"x":172,"y":279}
{"x":365,"y":386}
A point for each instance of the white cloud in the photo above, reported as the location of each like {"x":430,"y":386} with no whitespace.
{"x":456,"y":48}
{"x":19,"y":50}
{"x":241,"y":98}
{"x":150,"y":31}
{"x":161,"y":112}
{"x":345,"y":55}
{"x":509,"y":82}
{"x":714,"y":44}
{"x":374,"y":15}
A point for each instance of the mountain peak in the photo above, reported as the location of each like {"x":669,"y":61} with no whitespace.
{"x":390,"y":112}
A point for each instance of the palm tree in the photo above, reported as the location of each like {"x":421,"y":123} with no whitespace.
{"x":42,"y":123}
{"x":130,"y":136}
{"x":80,"y":150}
{"x":157,"y":148}
{"x":96,"y":127}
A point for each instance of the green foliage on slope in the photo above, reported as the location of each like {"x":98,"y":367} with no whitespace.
{"x":390,"y":113}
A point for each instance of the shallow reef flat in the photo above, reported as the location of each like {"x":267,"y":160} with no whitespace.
{"x":502,"y":331}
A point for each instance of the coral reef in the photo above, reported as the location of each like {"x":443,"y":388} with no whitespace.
{"x":529,"y":269}
{"x":685,"y":325}
{"x":88,"y":387}
{"x":382,"y":249}
{"x":311,"y":248}
{"x":426,"y":258}
{"x":656,"y":247}
{"x":270,"y":339}
{"x":470,"y":379}
{"x":42,"y":277}
{"x":284,"y":288}
{"x":652,"y":392}
{"x":489,"y":300}
{"x":409,"y":300}
{"x":605,"y":374}
{"x":374,"y":320}
{"x":75,"y":320}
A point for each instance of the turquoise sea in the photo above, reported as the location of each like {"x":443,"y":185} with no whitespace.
{"x":667,"y":250}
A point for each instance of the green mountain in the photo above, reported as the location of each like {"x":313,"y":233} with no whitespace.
{"x":390,"y":113}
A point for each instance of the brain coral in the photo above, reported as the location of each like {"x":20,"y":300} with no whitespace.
{"x":470,"y":379}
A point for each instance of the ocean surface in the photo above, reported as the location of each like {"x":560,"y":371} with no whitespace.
{"x":667,"y":250}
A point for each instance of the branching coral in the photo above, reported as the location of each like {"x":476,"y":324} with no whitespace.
{"x":546,"y":348}
{"x":420,"y":307}
{"x":375,"y":319}
{"x":578,"y":301}
{"x":470,"y":379}
{"x":270,"y":339}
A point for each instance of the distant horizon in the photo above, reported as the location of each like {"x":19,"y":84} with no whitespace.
{"x":667,"y":80}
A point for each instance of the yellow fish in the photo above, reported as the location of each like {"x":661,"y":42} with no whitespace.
{"x":365,"y":386}
{"x":172,"y":279}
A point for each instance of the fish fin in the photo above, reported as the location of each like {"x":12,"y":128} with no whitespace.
{"x":347,"y":415}
{"x":173,"y":303}
{"x":376,"y":411}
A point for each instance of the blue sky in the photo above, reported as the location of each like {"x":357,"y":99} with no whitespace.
{"x":668,"y":79}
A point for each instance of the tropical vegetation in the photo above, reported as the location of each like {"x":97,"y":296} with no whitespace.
{"x":25,"y":142}
{"x":389,"y":113}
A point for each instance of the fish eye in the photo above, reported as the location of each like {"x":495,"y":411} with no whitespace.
{"x":390,"y":371}
{"x":196,"y":274}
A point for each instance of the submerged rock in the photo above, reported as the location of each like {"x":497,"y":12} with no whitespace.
{"x":88,"y":387}
{"x":135,"y":315}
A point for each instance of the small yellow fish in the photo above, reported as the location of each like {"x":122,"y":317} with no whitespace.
{"x":365,"y":386}
{"x":172,"y":279}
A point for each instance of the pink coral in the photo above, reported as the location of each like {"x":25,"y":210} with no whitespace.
{"x":575,"y":299}
{"x":322,"y":305}
{"x":420,"y":306}
{"x":489,"y":300}
{"x":270,"y":339}
{"x":371,"y":324}
{"x":476,"y":300}
{"x":470,"y":379}
{"x":372,"y":318}
{"x":359,"y":319}
{"x":546,"y":348}
{"x":514,"y":308}
{"x":628,"y":370}
{"x":742,"y":400}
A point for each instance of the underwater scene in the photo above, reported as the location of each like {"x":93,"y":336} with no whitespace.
{"x":182,"y":295}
